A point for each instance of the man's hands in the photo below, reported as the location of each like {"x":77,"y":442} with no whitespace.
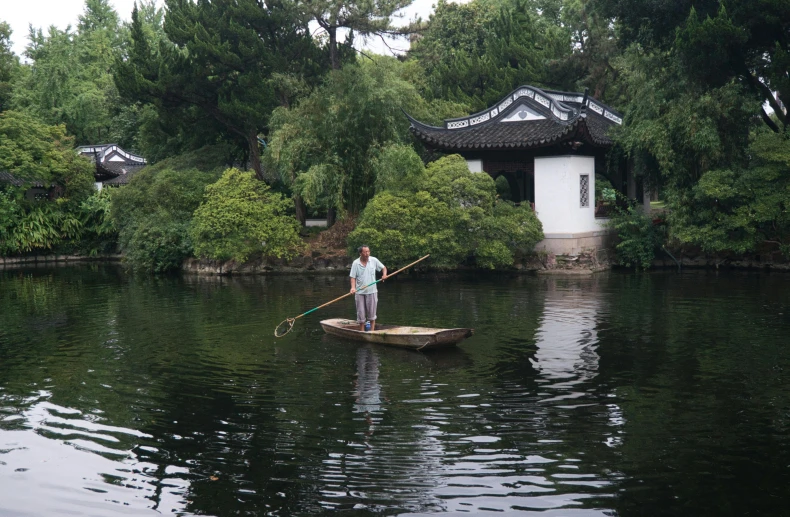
{"x":353,"y":290}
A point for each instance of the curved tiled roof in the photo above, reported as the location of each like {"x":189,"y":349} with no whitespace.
{"x":527,"y":118}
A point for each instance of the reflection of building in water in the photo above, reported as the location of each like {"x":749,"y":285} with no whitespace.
{"x":368,"y":393}
{"x":567,"y":337}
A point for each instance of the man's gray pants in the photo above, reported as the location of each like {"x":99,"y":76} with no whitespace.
{"x":366,"y":306}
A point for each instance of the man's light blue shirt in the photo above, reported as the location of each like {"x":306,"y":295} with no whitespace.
{"x":366,"y":274}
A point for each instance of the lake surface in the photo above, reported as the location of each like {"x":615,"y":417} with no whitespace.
{"x":616,"y":394}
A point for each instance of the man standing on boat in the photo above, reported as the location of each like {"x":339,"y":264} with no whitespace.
{"x":363,"y":272}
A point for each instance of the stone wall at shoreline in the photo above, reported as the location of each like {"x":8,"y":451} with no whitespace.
{"x":56,"y":259}
{"x":319,"y":264}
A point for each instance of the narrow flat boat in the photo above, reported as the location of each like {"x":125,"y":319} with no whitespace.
{"x":415,"y":338}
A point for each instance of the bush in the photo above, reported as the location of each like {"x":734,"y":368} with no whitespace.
{"x":451,"y":214}
{"x":153,"y":215}
{"x":54,"y":226}
{"x":638,"y":237}
{"x":240,"y":217}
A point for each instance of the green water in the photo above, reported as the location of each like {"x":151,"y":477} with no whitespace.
{"x":617,"y":394}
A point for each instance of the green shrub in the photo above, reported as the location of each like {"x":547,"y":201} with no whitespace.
{"x":451,"y":214}
{"x":159,"y":242}
{"x":638,"y":238}
{"x":240,"y":217}
{"x":153,"y":214}
{"x":99,"y":234}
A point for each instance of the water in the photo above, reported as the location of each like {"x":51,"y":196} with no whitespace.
{"x":617,"y":394}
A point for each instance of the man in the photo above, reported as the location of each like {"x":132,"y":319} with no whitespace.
{"x":363,"y":272}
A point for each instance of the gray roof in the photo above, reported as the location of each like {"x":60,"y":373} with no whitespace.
{"x":526,"y":118}
{"x":7,"y":177}
{"x":114,"y":166}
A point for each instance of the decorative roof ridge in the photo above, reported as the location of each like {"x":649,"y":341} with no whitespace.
{"x":538,"y":99}
{"x":102,"y":150}
{"x":590,"y":103}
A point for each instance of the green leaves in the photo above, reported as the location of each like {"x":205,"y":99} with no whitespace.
{"x":741,"y":209}
{"x":330,"y":146}
{"x":450,"y":213}
{"x":239,"y":218}
{"x":637,"y":237}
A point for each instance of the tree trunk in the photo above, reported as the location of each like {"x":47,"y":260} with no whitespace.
{"x":255,"y":155}
{"x":334,"y":58}
{"x":301,"y":210}
{"x":331,"y":217}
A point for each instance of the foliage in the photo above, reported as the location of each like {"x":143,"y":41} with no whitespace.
{"x":365,"y":18}
{"x":638,"y":238}
{"x":717,"y":43}
{"x":153,"y":215}
{"x":9,"y":65}
{"x":741,"y":209}
{"x":474,"y":53}
{"x":451,"y":214}
{"x":35,"y":152}
{"x":248,"y":46}
{"x":330,"y":146}
{"x":240,"y":217}
{"x":69,"y":80}
{"x":54,"y":226}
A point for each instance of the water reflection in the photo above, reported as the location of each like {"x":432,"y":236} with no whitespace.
{"x":567,"y":338}
{"x":127,"y":395}
{"x":368,"y":390}
{"x":41,"y":441}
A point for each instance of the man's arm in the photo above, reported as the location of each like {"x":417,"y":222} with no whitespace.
{"x":353,"y":285}
{"x":384,"y":272}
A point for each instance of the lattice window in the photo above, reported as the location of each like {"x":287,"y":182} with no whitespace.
{"x":584,"y":190}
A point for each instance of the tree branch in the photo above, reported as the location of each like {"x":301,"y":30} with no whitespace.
{"x":769,"y":121}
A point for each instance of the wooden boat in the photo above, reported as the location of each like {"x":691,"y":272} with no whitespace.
{"x":415,"y":338}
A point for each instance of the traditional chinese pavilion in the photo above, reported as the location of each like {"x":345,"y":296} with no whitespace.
{"x":114,"y":166}
{"x":548,"y":145}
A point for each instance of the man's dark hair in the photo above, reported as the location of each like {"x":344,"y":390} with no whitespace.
{"x":359,"y":250}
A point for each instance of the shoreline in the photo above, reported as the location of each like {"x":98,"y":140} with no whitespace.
{"x":341,"y":264}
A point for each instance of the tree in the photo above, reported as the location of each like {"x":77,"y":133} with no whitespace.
{"x":450,"y":213}
{"x":717,"y":42}
{"x":36,"y":152}
{"x":364,"y":17}
{"x":9,"y":64}
{"x":741,"y":209}
{"x":224,"y":64}
{"x":476,"y":52}
{"x":69,"y":80}
{"x":325,"y":147}
{"x":241,"y":217}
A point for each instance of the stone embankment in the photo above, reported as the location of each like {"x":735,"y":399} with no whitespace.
{"x":55,"y":260}
{"x":680,"y":259}
{"x":301,"y":265}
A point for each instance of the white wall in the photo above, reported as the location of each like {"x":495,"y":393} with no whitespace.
{"x":475,"y":165}
{"x":557,"y":199}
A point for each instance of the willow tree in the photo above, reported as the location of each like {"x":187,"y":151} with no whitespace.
{"x":326,"y":147}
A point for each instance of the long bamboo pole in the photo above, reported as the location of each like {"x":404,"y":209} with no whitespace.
{"x":291,"y":321}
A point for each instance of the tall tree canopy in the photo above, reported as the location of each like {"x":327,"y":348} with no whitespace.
{"x":363,"y":17}
{"x":225,"y":66}
{"x":9,"y":65}
{"x":476,"y":52}
{"x":717,"y":42}
{"x":69,"y":80}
